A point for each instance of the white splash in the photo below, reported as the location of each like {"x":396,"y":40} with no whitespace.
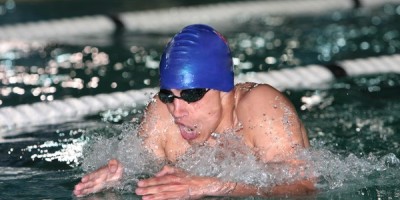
{"x":230,"y":160}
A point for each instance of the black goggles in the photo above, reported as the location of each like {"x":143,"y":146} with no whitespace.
{"x":188,"y":95}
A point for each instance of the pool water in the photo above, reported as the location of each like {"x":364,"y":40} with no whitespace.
{"x":354,"y":130}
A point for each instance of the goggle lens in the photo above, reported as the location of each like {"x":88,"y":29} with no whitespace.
{"x":188,"y":95}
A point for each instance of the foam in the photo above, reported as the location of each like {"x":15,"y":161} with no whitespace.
{"x":230,"y":160}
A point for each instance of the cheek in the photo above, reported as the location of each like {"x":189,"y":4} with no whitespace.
{"x":205,"y":115}
{"x":214,"y":114}
{"x":209,"y":111}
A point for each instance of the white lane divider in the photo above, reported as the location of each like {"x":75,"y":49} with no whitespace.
{"x":302,"y":77}
{"x":172,"y":19}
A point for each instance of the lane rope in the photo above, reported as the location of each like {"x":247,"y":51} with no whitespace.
{"x":302,"y":77}
{"x":172,"y":19}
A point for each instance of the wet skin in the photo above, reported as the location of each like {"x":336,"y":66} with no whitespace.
{"x":261,"y":115}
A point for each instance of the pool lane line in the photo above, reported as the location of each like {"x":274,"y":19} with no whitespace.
{"x":219,"y":15}
{"x":357,"y":4}
{"x":69,"y":109}
{"x":337,"y":70}
{"x":118,"y":24}
{"x":301,"y":77}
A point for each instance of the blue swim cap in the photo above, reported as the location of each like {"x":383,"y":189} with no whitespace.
{"x":197,"y":57}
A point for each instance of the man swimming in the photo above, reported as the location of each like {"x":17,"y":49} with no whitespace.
{"x":197,"y":98}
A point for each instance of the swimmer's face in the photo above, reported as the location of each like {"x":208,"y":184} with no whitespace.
{"x":196,"y":120}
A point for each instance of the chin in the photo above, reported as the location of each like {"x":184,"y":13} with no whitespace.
{"x":198,"y":141}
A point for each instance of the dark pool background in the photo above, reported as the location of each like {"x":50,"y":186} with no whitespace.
{"x":360,"y":115}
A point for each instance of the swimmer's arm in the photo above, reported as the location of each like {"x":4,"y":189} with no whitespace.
{"x":276,"y":133}
{"x":235,"y":189}
{"x":271,"y":125}
{"x":174,"y":183}
{"x":153,"y":128}
{"x":113,"y":172}
{"x":158,"y":131}
{"x":100,"y":179}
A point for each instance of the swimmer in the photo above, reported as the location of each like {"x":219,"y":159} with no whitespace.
{"x":197,"y":98}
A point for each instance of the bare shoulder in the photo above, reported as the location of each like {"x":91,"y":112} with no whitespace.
{"x":154,"y":112}
{"x":270,"y":121}
{"x":259,"y":96}
{"x":159,"y":132}
{"x":153,"y":127}
{"x":262,"y":102}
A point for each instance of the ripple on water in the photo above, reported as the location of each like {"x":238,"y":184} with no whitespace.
{"x":232,"y":161}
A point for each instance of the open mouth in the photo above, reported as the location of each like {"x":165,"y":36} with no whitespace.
{"x":188,"y":133}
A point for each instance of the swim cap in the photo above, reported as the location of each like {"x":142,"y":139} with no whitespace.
{"x":197,"y":57}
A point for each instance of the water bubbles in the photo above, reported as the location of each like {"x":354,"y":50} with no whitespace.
{"x":114,"y":115}
{"x":341,"y":42}
{"x":245,"y":65}
{"x":10,"y":151}
{"x":390,"y":160}
{"x":114,"y":85}
{"x":120,"y":142}
{"x":230,"y":160}
{"x":398,"y":10}
{"x":320,"y":100}
{"x":151,"y":63}
{"x":66,"y":150}
{"x":336,"y":16}
{"x":147,"y":81}
{"x":8,"y":6}
{"x":270,"y":60}
{"x":364,"y":45}
{"x":60,"y":68}
{"x":376,"y":20}
{"x":389,"y":9}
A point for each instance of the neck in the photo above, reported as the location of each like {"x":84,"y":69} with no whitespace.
{"x":229,"y":119}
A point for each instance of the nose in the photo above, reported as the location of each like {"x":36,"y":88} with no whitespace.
{"x":178,"y":108}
